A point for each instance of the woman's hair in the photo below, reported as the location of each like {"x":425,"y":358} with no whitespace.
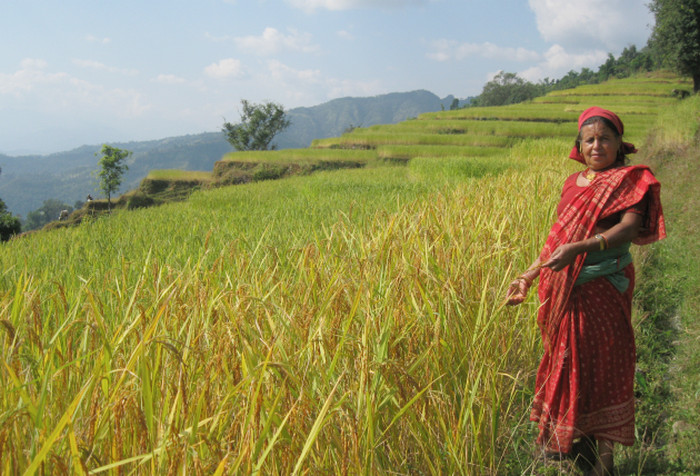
{"x":621,"y":157}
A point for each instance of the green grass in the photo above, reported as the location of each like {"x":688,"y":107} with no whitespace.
{"x":300,"y":155}
{"x":651,"y":85}
{"x":388,"y":152}
{"x":370,"y":140}
{"x":339,"y":322}
{"x":558,"y":112}
{"x":179,"y":175}
{"x":667,"y":298}
{"x":522,"y":129}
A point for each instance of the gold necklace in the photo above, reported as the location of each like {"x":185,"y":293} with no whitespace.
{"x":590,"y":175}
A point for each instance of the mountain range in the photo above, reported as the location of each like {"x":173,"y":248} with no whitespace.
{"x":26,"y":181}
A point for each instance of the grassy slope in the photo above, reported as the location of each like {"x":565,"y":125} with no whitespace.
{"x":378,"y":288}
{"x":668,"y":301}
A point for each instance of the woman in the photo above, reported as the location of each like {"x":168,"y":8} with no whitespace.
{"x":584,"y":385}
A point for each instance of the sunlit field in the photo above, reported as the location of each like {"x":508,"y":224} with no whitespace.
{"x":297,"y":155}
{"x":174,"y":174}
{"x":345,"y":322}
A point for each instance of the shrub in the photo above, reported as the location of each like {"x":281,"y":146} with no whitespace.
{"x":269,"y":172}
{"x":9,"y":225}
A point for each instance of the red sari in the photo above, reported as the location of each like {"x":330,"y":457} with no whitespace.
{"x":585,"y":381}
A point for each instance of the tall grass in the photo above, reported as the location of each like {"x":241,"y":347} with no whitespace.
{"x":371,"y":140}
{"x":176,"y":174}
{"x":527,"y":129}
{"x":349,"y":322}
{"x":299,"y":155}
{"x":667,"y":325}
{"x":388,"y":152}
{"x":369,"y":338}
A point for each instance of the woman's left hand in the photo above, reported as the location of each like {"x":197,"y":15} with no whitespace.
{"x":562,"y":257}
{"x":517,"y":292}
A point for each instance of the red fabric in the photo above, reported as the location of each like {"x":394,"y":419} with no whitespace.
{"x":600,"y":112}
{"x":627,"y":147}
{"x":571,"y":190}
{"x":568,"y":192}
{"x":587,"y":344}
{"x":585,"y":385}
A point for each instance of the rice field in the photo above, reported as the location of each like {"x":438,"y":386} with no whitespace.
{"x":371,"y":140}
{"x":179,"y":175}
{"x":389,"y":152}
{"x":520,"y":129}
{"x":347,"y":322}
{"x":300,"y":155}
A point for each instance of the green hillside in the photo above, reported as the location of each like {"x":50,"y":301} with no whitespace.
{"x":29,"y":180}
{"x":330,"y":322}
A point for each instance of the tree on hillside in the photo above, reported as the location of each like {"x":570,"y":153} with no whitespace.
{"x":112,"y":168}
{"x":507,"y":88}
{"x":675,"y":39}
{"x":260,"y":123}
{"x":9,"y":224}
{"x":49,"y":211}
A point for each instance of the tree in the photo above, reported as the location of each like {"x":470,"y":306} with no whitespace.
{"x":507,"y":88}
{"x":9,"y":224}
{"x":675,"y":39}
{"x":49,"y":211}
{"x":260,"y":123}
{"x":113,"y":167}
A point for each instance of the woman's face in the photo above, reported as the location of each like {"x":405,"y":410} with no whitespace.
{"x":599,"y":146}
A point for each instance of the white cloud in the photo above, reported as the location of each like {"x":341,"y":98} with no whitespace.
{"x":33,"y":87}
{"x":95,"y":39}
{"x":306,"y":86}
{"x":347,"y":87}
{"x":557,"y":62}
{"x":30,"y":75}
{"x":284,"y":73}
{"x":346,"y":35}
{"x":131,"y":102}
{"x":33,"y":64}
{"x":224,"y":69}
{"x":96,"y":65}
{"x":273,"y":41}
{"x":311,"y":5}
{"x":445,"y":50}
{"x":595,"y":24}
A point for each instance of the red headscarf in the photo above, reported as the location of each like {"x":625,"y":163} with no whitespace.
{"x":627,"y":148}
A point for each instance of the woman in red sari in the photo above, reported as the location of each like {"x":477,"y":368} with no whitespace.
{"x":584,"y":400}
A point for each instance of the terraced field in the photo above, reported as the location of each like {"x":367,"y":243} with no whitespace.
{"x":334,"y":322}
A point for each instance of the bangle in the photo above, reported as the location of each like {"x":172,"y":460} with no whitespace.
{"x":602,"y":240}
{"x":525,"y":278}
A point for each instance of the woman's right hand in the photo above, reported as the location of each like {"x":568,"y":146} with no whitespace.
{"x":517,"y":292}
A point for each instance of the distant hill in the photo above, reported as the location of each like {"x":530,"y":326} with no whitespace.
{"x":26,"y":181}
{"x":331,"y":119}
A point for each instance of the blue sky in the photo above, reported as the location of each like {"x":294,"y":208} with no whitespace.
{"x":92,"y":71}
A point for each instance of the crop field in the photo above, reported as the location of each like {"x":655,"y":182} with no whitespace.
{"x":557,"y":111}
{"x":175,"y":174}
{"x":654,"y":86}
{"x":344,"y":322}
{"x":388,"y":152}
{"x":521,"y":129}
{"x":372,"y":139}
{"x":297,"y":155}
